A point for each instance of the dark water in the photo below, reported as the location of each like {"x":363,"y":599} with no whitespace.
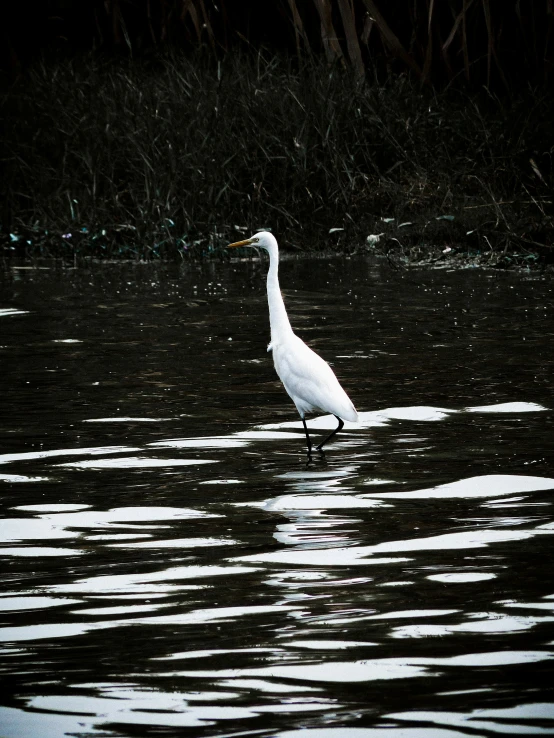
{"x":171,"y":565}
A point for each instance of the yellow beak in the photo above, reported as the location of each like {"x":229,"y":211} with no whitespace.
{"x":246,"y":242}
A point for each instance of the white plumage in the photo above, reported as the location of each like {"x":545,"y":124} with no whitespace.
{"x":308,"y":379}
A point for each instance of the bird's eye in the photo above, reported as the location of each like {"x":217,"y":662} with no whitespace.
{"x":255,"y":240}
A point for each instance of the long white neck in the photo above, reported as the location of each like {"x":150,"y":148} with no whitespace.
{"x":278,"y":318}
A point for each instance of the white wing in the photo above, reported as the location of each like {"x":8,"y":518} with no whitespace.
{"x":309,"y":380}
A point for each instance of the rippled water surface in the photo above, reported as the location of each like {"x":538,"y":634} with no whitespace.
{"x":171,"y":565}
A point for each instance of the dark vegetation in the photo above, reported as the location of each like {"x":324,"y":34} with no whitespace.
{"x":418,"y":135}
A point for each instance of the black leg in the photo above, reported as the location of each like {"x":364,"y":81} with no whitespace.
{"x":319,"y":447}
{"x":308,"y":440}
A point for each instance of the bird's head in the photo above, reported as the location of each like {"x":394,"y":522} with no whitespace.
{"x":262,"y":240}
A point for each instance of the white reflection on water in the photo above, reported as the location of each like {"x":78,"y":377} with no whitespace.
{"x":21,"y":633}
{"x":34,"y":455}
{"x":371,"y":419}
{"x":130,"y":704}
{"x":151,"y":582}
{"x":421,"y":413}
{"x":142,"y":708}
{"x":20,"y":529}
{"x":214,"y":652}
{"x":16,"y":478}
{"x":513,"y":720}
{"x":488,"y":485}
{"x":51,"y":507}
{"x":319,"y":502}
{"x":177,"y":543}
{"x":61,"y":525}
{"x":340,"y":671}
{"x":222,"y":481}
{"x":295,"y":579}
{"x":457,"y":577}
{"x":378,"y":498}
{"x":479,"y":622}
{"x":208,"y":442}
{"x":323,"y":557}
{"x":39,"y":551}
{"x":17,"y":723}
{"x":389,"y":732}
{"x":329,"y":645}
{"x":65,"y":630}
{"x":312,"y":533}
{"x":4,"y":312}
{"x":215,"y":614}
{"x":508,"y":407}
{"x":374,"y":669}
{"x":309,"y":528}
{"x":530,"y":605}
{"x":33,"y":603}
{"x":418,"y":413}
{"x":264,"y":685}
{"x":268,"y":432}
{"x":133,"y":706}
{"x":120,"y":609}
{"x":392,"y":615}
{"x":236,"y":440}
{"x":358,"y":555}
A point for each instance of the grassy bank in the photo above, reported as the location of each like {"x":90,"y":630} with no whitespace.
{"x":172,"y":157}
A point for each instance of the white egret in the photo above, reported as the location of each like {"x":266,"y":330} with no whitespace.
{"x":308,"y":379}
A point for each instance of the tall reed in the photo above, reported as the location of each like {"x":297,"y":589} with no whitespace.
{"x":477,"y":42}
{"x":168,"y":156}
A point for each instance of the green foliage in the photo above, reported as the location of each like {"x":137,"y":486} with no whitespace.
{"x":168,"y":156}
